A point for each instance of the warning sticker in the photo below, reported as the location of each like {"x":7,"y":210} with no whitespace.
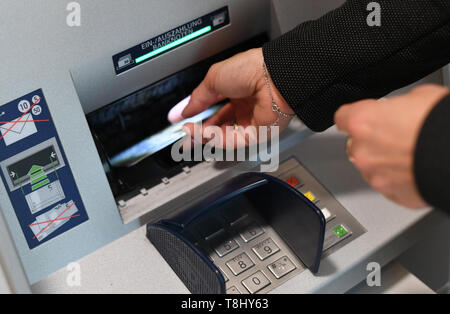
{"x":35,"y":171}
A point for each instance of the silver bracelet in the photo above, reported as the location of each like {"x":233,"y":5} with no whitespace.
{"x":275,"y":107}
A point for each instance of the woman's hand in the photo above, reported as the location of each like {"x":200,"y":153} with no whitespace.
{"x":240,"y":79}
{"x":382,"y":140}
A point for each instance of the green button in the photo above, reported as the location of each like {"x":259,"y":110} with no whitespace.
{"x":340,"y":231}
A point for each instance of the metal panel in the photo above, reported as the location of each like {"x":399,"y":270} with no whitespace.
{"x":4,"y":286}
{"x":12,"y":275}
{"x":286,"y":14}
{"x":42,"y":50}
{"x":94,"y":77}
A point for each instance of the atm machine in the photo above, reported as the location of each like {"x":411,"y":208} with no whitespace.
{"x":78,"y":103}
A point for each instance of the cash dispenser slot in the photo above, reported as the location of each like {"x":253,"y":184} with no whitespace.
{"x":245,"y":237}
{"x":134,"y":137}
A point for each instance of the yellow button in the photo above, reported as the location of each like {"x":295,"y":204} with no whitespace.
{"x":310,"y":196}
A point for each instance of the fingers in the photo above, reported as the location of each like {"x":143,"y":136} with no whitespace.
{"x":226,"y":136}
{"x":175,"y":114}
{"x":237,"y":77}
{"x":349,"y":149}
{"x":222,"y":131}
{"x":348,"y":115}
{"x":226,"y":114}
{"x":355,"y":121}
{"x":204,"y":96}
{"x":381,"y":142}
{"x":342,"y":118}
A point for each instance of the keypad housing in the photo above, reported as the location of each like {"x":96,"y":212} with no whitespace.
{"x":251,"y":256}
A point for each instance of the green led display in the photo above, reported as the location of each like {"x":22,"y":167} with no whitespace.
{"x":174,"y":44}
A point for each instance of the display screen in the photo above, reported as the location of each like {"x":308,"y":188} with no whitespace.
{"x":170,"y":40}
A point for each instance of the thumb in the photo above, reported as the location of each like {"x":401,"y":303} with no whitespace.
{"x":342,"y":116}
{"x":346,"y":113}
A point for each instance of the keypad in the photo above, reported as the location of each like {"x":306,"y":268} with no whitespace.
{"x":265,"y":249}
{"x":282,"y":267}
{"x":240,"y":263}
{"x":252,"y":231}
{"x":225,"y":247}
{"x":251,"y":256}
{"x":256,"y":282}
{"x":243,"y":248}
{"x":233,"y":290}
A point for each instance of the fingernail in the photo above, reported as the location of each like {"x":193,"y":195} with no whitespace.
{"x":182,"y":106}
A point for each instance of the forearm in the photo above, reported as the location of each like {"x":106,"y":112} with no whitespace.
{"x":432,"y":157}
{"x":339,"y":59}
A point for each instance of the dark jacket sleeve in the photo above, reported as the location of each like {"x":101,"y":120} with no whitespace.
{"x":339,"y":59}
{"x":432,"y":157}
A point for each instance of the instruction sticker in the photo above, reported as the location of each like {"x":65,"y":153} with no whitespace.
{"x":35,"y":172}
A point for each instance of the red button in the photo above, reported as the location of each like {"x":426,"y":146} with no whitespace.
{"x":292,"y":181}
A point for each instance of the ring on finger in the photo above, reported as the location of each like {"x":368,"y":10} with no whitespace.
{"x":349,"y":149}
